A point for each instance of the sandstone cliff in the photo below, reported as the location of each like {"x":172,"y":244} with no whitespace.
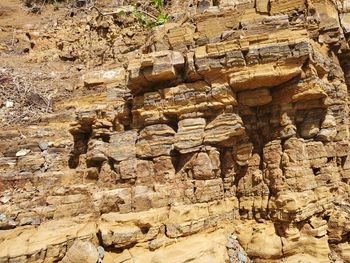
{"x":221,"y":136}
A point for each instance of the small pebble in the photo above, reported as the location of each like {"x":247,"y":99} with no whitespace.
{"x":3,"y":218}
{"x":43,"y":146}
{"x":22,"y":152}
{"x":101,"y":252}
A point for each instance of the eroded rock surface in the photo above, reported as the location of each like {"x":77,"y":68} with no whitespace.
{"x":225,"y":140}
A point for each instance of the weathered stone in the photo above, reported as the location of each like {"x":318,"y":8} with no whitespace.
{"x":189,"y":136}
{"x":155,"y":140}
{"x":255,"y":98}
{"x":181,"y":37}
{"x":202,"y":167}
{"x":22,"y":152}
{"x":81,"y":251}
{"x":263,"y":76}
{"x":157,"y":66}
{"x":122,"y":145}
{"x":164,"y":168}
{"x":127,"y":168}
{"x":110,"y":200}
{"x":243,"y":153}
{"x":222,"y":128}
{"x":97,"y":151}
{"x":104,"y":77}
{"x":43,"y":146}
{"x":230,"y":120}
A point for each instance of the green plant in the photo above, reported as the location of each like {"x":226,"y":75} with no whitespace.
{"x":162,"y":18}
{"x":159,"y":4}
{"x":141,"y":18}
{"x":150,"y":20}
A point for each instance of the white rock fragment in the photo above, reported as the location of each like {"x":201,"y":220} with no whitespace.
{"x":8,"y":104}
{"x":22,"y":152}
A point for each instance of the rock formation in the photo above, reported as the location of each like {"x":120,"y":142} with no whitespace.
{"x":225,"y":140}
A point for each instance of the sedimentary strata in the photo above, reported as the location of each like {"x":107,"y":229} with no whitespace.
{"x":228,"y":139}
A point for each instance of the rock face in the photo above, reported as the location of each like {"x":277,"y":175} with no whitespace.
{"x":226,"y":140}
{"x":81,"y":251}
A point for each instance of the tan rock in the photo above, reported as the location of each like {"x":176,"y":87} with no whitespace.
{"x":117,"y":199}
{"x":164,"y":168}
{"x":121,"y":230}
{"x":263,"y":76}
{"x":145,"y":171}
{"x":122,"y":145}
{"x":222,"y":128}
{"x":96,"y":151}
{"x":308,"y":91}
{"x":280,"y":6}
{"x":81,"y":251}
{"x":155,"y":140}
{"x":128,"y":168}
{"x":203,"y":167}
{"x":255,"y":98}
{"x":162,"y":145}
{"x":243,"y":153}
{"x":197,"y":248}
{"x":181,"y":37}
{"x":344,"y":250}
{"x":155,"y":67}
{"x":50,"y":236}
{"x":252,"y":237}
{"x":104,"y":77}
{"x":189,"y":135}
{"x":262,"y":6}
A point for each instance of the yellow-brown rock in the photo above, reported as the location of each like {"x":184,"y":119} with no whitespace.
{"x":220,"y":136}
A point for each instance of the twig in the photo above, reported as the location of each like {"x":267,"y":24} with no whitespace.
{"x":115,"y":13}
{"x":13,"y":38}
{"x":148,"y":14}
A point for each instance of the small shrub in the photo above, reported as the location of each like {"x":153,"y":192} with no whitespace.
{"x":149,"y":19}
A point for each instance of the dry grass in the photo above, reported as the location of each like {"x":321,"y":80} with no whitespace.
{"x":23,"y":97}
{"x":36,"y":6}
{"x":30,"y":3}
